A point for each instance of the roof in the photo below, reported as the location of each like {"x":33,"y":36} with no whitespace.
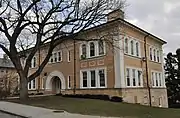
{"x":132,"y":25}
{"x":6,"y":63}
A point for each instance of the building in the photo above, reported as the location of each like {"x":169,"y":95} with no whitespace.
{"x":97,"y":67}
{"x":8,"y":75}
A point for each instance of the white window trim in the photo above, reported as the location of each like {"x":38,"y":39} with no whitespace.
{"x":52,"y":57}
{"x":154,"y":77}
{"x":156,"y":50}
{"x":32,"y":62}
{"x":134,"y":46}
{"x":89,"y":78}
{"x":68,"y":78}
{"x":88,"y":49}
{"x":68,"y":56}
{"x":32,"y":85}
{"x":136,"y":77}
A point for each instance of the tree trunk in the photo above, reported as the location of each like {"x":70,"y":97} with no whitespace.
{"x":23,"y":87}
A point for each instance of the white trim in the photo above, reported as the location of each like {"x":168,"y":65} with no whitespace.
{"x":69,"y":80}
{"x":32,"y":88}
{"x":68,"y":56}
{"x":50,"y":77}
{"x":97,"y":79}
{"x":154,"y":79}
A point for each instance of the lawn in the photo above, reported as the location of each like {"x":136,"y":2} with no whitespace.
{"x":100,"y":107}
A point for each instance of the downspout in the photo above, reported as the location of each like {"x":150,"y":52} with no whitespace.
{"x":147,"y":73}
{"x":39,"y":61}
{"x":74,"y":89}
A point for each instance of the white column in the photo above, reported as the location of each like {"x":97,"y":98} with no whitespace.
{"x":119,"y":62}
{"x":136,"y":77}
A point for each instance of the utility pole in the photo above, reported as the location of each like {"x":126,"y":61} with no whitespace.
{"x":74,"y":90}
{"x":147,"y":74}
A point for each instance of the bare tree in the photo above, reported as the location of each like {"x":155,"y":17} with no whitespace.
{"x":45,"y":21}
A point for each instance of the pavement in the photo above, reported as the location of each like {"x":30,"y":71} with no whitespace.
{"x":36,"y":112}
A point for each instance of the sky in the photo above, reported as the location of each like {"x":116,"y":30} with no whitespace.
{"x":159,"y":17}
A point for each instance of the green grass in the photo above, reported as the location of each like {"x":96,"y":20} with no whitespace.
{"x":100,"y":107}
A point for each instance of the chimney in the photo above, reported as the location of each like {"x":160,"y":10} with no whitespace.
{"x":116,"y":14}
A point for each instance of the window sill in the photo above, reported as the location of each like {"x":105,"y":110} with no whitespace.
{"x":94,"y":57}
{"x":134,"y":86}
{"x":93,"y":87}
{"x":155,"y":62}
{"x":54,"y":62}
{"x":158,"y":87}
{"x":138,"y":57}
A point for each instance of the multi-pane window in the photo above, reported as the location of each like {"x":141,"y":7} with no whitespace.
{"x":139,"y":77}
{"x":93,"y":78}
{"x":101,"y":47}
{"x":68,"y":56}
{"x":158,"y":59}
{"x":56,"y":57}
{"x":102,"y":78}
{"x":156,"y":79}
{"x":84,"y":49}
{"x":127,"y":77}
{"x":32,"y":84}
{"x":69,"y":82}
{"x":132,"y":47}
{"x":154,"y":55}
{"x":126,"y":46}
{"x":151,"y":58}
{"x":92,"y":49}
{"x":133,"y":77}
{"x":137,"y":49}
{"x":84,"y":74}
{"x":33,"y":62}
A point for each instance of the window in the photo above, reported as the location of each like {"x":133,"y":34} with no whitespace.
{"x":151,"y":54}
{"x":69,"y":56}
{"x":84,"y":49}
{"x":59,"y":56}
{"x":69,"y":82}
{"x":84,"y":78}
{"x":33,"y":62}
{"x":134,"y":77}
{"x":137,"y":49}
{"x":160,"y":82}
{"x":34,"y":83}
{"x":126,"y":46}
{"x":127,"y":77}
{"x":154,"y":55}
{"x":158,"y":59}
{"x":157,"y":79}
{"x":102,"y":78}
{"x":139,"y":78}
{"x":92,"y":49}
{"x":152,"y":77}
{"x":93,"y":78}
{"x":101,"y":47}
{"x":132,"y":47}
{"x":55,"y":57}
{"x":29,"y":84}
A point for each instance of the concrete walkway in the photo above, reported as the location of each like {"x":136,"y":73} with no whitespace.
{"x":36,"y":112}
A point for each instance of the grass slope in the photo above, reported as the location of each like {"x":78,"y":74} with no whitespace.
{"x":100,"y":107}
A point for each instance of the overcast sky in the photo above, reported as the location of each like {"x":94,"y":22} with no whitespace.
{"x":159,"y":17}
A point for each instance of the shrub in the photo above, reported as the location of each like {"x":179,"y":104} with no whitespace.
{"x":88,"y":96}
{"x":116,"y":99}
{"x":4,"y":94}
{"x":39,"y":93}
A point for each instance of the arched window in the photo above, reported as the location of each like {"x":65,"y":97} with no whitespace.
{"x":158,"y":59}
{"x":150,"y":53}
{"x":101,"y":47}
{"x":92,"y":49}
{"x":84,"y":49}
{"x":154,"y":55}
{"x":126,"y":46}
{"x":33,"y":62}
{"x":132,"y":47}
{"x":137,"y":49}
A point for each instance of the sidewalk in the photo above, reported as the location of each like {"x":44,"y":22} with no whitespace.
{"x":36,"y":112}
